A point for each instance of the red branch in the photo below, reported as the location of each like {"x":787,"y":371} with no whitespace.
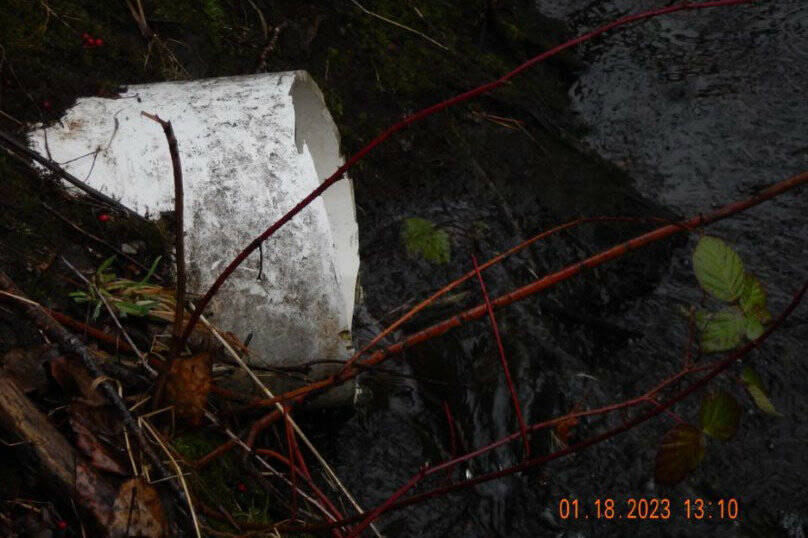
{"x":502,"y":359}
{"x":493,"y":261}
{"x":546,"y":282}
{"x":452,"y":434}
{"x":389,"y":502}
{"x":290,"y":441}
{"x":336,"y":176}
{"x":714,"y":370}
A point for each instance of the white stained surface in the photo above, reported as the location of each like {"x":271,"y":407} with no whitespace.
{"x":251,"y":148}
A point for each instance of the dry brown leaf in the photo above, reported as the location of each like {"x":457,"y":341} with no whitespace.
{"x":137,"y":512}
{"x":188,"y":385}
{"x":73,"y":378}
{"x":86,"y":425}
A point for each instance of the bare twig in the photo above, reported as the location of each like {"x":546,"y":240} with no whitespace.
{"x":144,"y":361}
{"x":399,"y":25}
{"x":18,"y":149}
{"x":713,"y":370}
{"x":158,"y":438}
{"x":71,"y":344}
{"x":323,"y":463}
{"x":544,"y":283}
{"x":502,"y":359}
{"x":179,"y":230}
{"x":262,"y":60}
{"x":97,"y":239}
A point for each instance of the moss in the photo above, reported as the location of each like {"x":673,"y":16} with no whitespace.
{"x":223,"y":482}
{"x":424,"y":239}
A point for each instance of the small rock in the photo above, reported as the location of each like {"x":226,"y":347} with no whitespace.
{"x":132,"y":248}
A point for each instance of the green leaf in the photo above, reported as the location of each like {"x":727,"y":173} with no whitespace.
{"x":423,"y":238}
{"x":96,"y":311}
{"x":105,"y":265}
{"x":754,"y":385}
{"x":720,"y":331}
{"x":719,"y":415}
{"x":754,"y":328}
{"x":133,"y":309}
{"x":152,"y":269}
{"x":718,"y":269}
{"x":681,"y":451}
{"x":753,"y":299}
{"x":79,"y":296}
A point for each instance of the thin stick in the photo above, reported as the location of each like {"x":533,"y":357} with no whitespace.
{"x":71,"y":344}
{"x":409,"y":120}
{"x":179,"y":231}
{"x":389,"y":502}
{"x":502,"y":359}
{"x":14,"y":147}
{"x":144,"y":361}
{"x":235,"y":438}
{"x":716,"y":369}
{"x":493,"y":261}
{"x":326,"y":467}
{"x":180,"y":475}
{"x":399,"y":25}
{"x":98,"y":240}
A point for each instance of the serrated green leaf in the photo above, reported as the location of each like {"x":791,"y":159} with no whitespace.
{"x":719,"y":415}
{"x":754,"y":328}
{"x":718,"y":269}
{"x":720,"y":331}
{"x":681,"y":451}
{"x":754,"y":385}
{"x":423,"y":238}
{"x":753,"y":299}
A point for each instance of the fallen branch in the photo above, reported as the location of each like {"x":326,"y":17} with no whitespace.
{"x":18,"y":149}
{"x":65,"y":470}
{"x":71,"y":344}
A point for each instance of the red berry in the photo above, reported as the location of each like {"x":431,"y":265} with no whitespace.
{"x":99,"y":42}
{"x":103,"y":217}
{"x":46,"y":104}
{"x":242,"y":487}
{"x":85,"y":36}
{"x":61,"y":524}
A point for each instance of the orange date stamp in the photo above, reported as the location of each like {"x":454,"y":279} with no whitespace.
{"x":645,"y":509}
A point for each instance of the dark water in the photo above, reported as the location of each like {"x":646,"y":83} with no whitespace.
{"x":699,"y":108}
{"x":702,"y":108}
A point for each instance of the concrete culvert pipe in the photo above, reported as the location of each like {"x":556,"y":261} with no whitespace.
{"x":251,"y":148}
